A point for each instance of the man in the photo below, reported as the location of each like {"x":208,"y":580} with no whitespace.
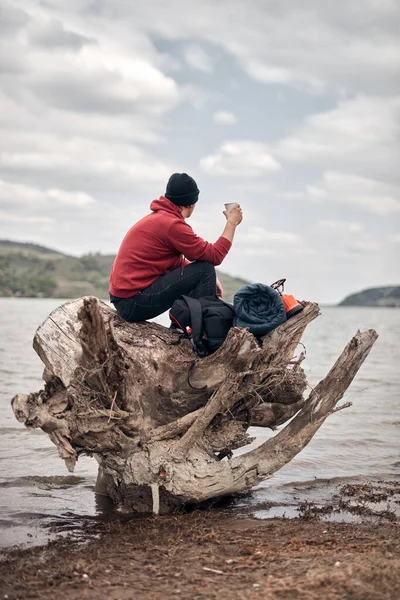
{"x":152,"y":267}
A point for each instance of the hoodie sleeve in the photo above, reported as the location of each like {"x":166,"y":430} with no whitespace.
{"x":182,"y":238}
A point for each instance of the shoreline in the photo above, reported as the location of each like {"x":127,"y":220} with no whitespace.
{"x":211,"y":555}
{"x":221,"y":553}
{"x":355,"y":499}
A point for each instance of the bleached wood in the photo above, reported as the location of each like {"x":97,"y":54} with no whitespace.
{"x":158,"y":419}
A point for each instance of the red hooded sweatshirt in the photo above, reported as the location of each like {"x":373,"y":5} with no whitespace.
{"x":156,"y":245}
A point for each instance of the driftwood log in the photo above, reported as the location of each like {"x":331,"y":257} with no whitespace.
{"x":163,"y":423}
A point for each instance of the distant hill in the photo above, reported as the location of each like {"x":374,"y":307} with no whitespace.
{"x":30,"y":270}
{"x":388,"y":296}
{"x":17,"y":246}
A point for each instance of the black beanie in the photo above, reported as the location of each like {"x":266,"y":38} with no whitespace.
{"x":182,"y":189}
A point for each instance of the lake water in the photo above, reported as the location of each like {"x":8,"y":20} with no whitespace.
{"x":37,"y":492}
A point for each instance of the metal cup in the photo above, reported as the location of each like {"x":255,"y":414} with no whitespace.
{"x":230,"y":205}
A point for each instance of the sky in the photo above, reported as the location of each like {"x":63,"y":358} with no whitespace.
{"x":290,"y":108}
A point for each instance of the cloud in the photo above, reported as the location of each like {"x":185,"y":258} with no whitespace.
{"x":224,"y":117}
{"x":80,"y":162}
{"x":364,"y":246}
{"x":350,"y":46}
{"x":12,"y":19}
{"x":107,"y":99}
{"x":316,"y":194}
{"x":197,"y":58}
{"x":58,"y":148}
{"x":347,"y":236}
{"x":73,"y":65}
{"x":16,"y":194}
{"x":341,"y":226}
{"x":7,"y":217}
{"x":359,"y":134}
{"x":11,"y":62}
{"x":52,"y":34}
{"x":96,"y":80}
{"x":360,"y":192}
{"x":347,"y":46}
{"x":258,"y":241}
{"x":25,"y":126}
{"x":72,"y":221}
{"x":241,"y":158}
{"x":261,"y":235}
{"x":75,"y":108}
{"x":268,"y":74}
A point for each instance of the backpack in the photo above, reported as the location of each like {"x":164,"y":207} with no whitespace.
{"x":205,"y":321}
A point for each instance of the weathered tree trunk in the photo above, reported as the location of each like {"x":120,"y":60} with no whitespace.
{"x":163,"y":423}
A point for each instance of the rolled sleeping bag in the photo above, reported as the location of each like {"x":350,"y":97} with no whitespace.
{"x":258,"y":307}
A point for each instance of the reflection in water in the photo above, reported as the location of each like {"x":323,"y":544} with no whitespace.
{"x":38,"y":497}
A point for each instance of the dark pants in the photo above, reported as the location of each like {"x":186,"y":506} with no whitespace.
{"x":197,"y":279}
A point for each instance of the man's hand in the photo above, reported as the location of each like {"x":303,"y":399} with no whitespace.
{"x":220,"y":291}
{"x":234,"y":216}
{"x":233,"y":219}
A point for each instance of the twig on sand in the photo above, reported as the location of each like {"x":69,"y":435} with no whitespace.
{"x":216,"y":571}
